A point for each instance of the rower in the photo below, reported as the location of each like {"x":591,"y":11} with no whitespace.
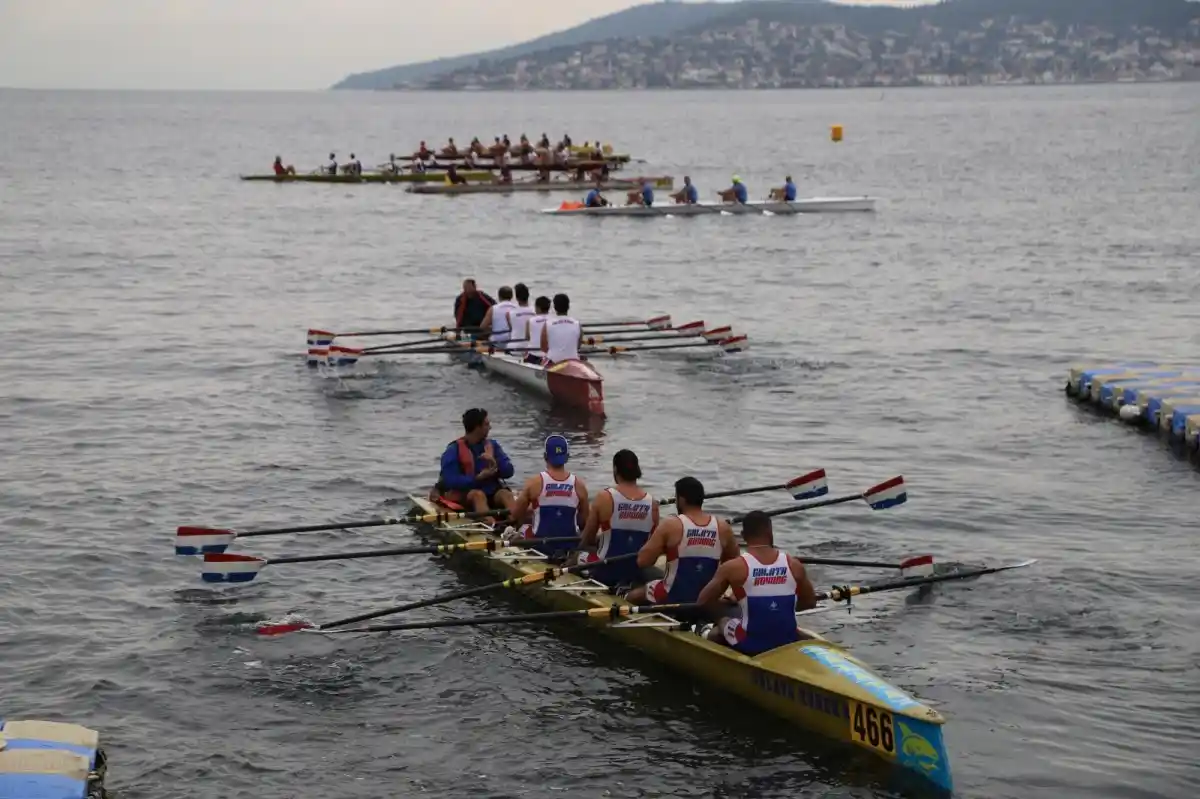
{"x":557,"y":499}
{"x":566,"y":140}
{"x":474,"y":468}
{"x":355,"y":166}
{"x":643,"y":196}
{"x":450,"y":150}
{"x":736,"y":193}
{"x":594,"y":198}
{"x":533,"y":331}
{"x":280,"y":169}
{"x":518,"y":318}
{"x":562,"y":334}
{"x":453,"y":178}
{"x":392,"y":168}
{"x":619,"y":523}
{"x":688,"y":194}
{"x":544,"y":142}
{"x":424,"y":153}
{"x":332,"y":168}
{"x":495,"y":322}
{"x":694,"y":543}
{"x":787,"y":193}
{"x":471,"y":307}
{"x":769,"y":586}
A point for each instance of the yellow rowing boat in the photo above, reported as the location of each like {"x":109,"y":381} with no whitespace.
{"x":369,"y":177}
{"x":813,"y":683}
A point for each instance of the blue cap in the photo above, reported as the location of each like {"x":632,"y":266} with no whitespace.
{"x":557,"y":450}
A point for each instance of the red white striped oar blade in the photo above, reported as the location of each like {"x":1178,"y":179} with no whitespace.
{"x":343,"y":356}
{"x":223,"y":567}
{"x":917,"y":566}
{"x":735,"y":344}
{"x":659,"y":322}
{"x":718,"y":334}
{"x":318,"y":345}
{"x":690,"y":329}
{"x":887,"y":494}
{"x":200,"y":540}
{"x":809,"y":486}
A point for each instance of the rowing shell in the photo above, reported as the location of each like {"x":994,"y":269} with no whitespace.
{"x":369,"y":177}
{"x":574,"y":383}
{"x":814,"y":683}
{"x":663,"y":182}
{"x":812,"y":205}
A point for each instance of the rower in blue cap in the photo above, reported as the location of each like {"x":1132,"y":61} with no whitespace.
{"x":557,"y":499}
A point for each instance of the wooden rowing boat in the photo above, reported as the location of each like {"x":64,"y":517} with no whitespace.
{"x":814,"y":683}
{"x":813,"y":205}
{"x":573,"y":383}
{"x":369,"y":177}
{"x":630,"y":184}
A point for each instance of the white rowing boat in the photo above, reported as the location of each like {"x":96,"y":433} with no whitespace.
{"x":812,"y":205}
{"x":574,"y":383}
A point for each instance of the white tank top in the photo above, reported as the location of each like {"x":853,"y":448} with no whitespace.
{"x":517,"y":318}
{"x":628,"y":516}
{"x":501,"y":328}
{"x":556,"y":507}
{"x":536,"y":323}
{"x":562,"y":339}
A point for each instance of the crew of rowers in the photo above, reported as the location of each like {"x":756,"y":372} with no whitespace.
{"x":476,"y":154}
{"x":689,"y":195}
{"x":351,"y":167}
{"x":544,"y":333}
{"x":703,"y":560}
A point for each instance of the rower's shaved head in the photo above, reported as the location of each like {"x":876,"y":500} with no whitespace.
{"x":756,"y":528}
{"x":505,"y":293}
{"x":542,"y":305}
{"x":562,"y":304}
{"x":689,"y":493}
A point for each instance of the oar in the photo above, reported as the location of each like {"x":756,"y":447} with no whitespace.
{"x":421,"y":342}
{"x":226,"y":567}
{"x":433,"y":331}
{"x":546,"y":575}
{"x":806,"y":486}
{"x":612,"y":612}
{"x":845,"y":592}
{"x":730,"y":345}
{"x":656,"y":322}
{"x":887,"y":494}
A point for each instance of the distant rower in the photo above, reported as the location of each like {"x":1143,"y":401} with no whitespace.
{"x":562,"y":334}
{"x":333,"y":166}
{"x":495,"y":322}
{"x":643,"y":196}
{"x":595,"y":198}
{"x":620,"y":523}
{"x":557,"y":499}
{"x":688,"y":194}
{"x":769,"y":586}
{"x":786,"y":193}
{"x":280,"y":169}
{"x":694,"y":543}
{"x":471,"y":306}
{"x":736,"y":193}
{"x":474,"y":467}
{"x":518,"y":318}
{"x":533,"y":332}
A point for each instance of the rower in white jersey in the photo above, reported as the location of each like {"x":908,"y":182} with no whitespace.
{"x":533,"y":330}
{"x":495,"y":321}
{"x":694,"y":543}
{"x":518,"y":319}
{"x":557,"y":499}
{"x":620,"y":523}
{"x":769,"y":586}
{"x":562,"y":334}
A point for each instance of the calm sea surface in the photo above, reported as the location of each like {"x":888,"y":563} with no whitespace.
{"x":155,"y":309}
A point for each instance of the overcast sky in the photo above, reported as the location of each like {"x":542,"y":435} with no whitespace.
{"x":258,"y":44}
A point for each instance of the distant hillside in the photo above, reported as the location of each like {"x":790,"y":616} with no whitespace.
{"x":652,"y":19}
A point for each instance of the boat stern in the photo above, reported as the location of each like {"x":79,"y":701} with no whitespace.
{"x":578,"y":384}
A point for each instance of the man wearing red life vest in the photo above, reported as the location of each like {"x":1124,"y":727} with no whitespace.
{"x":475,"y":467}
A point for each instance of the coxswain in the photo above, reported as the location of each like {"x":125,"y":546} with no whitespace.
{"x":453,"y":178}
{"x":736,"y":193}
{"x":694,"y":543}
{"x":643,"y":196}
{"x":474,"y":468}
{"x":688,"y":194}
{"x":450,"y":150}
{"x":619,"y":523}
{"x":333,"y":166}
{"x":518,"y":319}
{"x":533,"y":331}
{"x":786,"y":193}
{"x":557,"y":500}
{"x":769,"y":586}
{"x":280,"y":169}
{"x":594,"y":198}
{"x":471,"y":306}
{"x":562,"y":334}
{"x":495,"y":322}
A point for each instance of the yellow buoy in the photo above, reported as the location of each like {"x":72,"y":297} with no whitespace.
{"x":835,"y":133}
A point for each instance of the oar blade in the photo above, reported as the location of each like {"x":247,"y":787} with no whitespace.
{"x":809,"y":486}
{"x":227,"y":567}
{"x":191,"y":540}
{"x":887,"y":494}
{"x":735,"y":344}
{"x":917,"y":566}
{"x":284,"y":628}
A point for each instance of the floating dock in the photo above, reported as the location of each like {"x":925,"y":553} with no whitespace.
{"x":1153,"y":396}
